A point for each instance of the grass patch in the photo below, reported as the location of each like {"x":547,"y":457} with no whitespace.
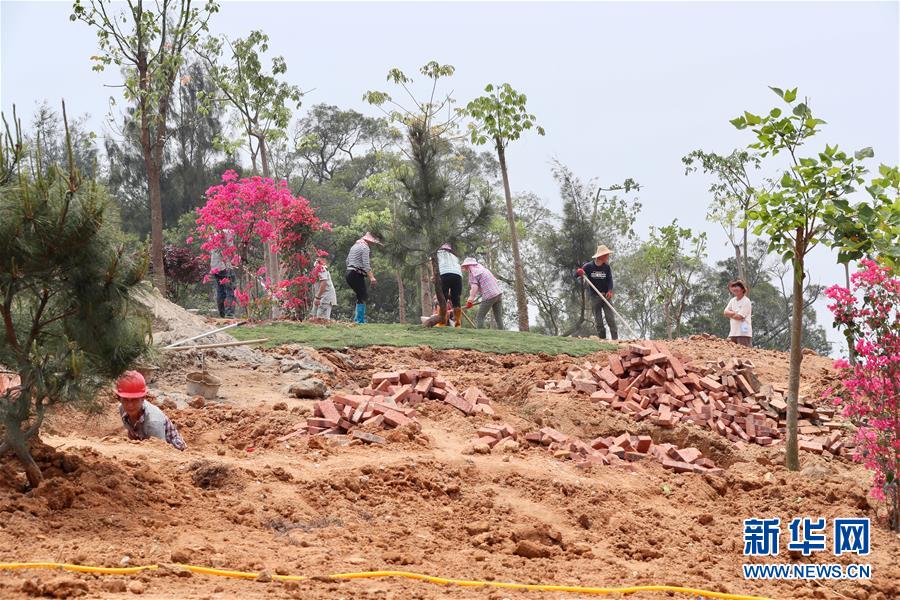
{"x":342,"y":335}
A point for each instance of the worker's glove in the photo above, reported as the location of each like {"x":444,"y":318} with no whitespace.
{"x":469,"y":304}
{"x":580,"y":272}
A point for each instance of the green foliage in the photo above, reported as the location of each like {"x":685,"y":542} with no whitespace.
{"x":674,"y":257}
{"x":340,"y":335}
{"x":500,"y":116}
{"x":66,"y":287}
{"x":261,"y":98}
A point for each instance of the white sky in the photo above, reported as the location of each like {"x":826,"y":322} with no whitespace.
{"x":623,"y":89}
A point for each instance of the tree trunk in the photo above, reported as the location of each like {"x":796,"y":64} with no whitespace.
{"x":744,"y":266}
{"x":401,"y":297}
{"x":521,"y":299}
{"x":156,"y":223}
{"x":792,"y":458}
{"x":851,"y":343}
{"x":425,"y":289}
{"x":740,"y":264}
{"x":273,"y":268}
{"x":15,"y":440}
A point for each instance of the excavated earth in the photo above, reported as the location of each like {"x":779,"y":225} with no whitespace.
{"x":238,"y":498}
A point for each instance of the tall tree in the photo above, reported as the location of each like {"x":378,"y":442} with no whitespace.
{"x":501,"y":117}
{"x":793,"y":213}
{"x":674,"y":257}
{"x":734,"y":195}
{"x":430,"y":203}
{"x":148,"y":42}
{"x":68,"y":324}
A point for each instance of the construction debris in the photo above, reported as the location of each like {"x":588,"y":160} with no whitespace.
{"x":621,"y":449}
{"x":389,"y":401}
{"x":650,"y":383}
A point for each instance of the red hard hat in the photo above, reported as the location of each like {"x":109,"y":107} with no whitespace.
{"x":131,"y":385}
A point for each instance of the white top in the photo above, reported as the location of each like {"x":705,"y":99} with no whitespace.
{"x":329,"y":296}
{"x":743,"y":307}
{"x":448,"y":263}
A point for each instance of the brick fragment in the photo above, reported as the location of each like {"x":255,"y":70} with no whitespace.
{"x":643,"y":443}
{"x":368,"y":437}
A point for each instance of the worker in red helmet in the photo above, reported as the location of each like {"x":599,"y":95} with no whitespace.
{"x":143,"y":419}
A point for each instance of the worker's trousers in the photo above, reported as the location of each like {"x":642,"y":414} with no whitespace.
{"x":493,"y":305}
{"x":602,"y":309}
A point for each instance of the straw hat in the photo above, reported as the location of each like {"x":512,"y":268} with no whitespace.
{"x":371,"y":239}
{"x":469,"y":262}
{"x":446,"y":247}
{"x":602,"y":250}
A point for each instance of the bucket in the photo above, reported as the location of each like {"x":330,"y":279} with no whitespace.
{"x":201,"y":383}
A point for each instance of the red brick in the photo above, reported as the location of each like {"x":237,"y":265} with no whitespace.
{"x":424,"y":385}
{"x":617,"y":451}
{"x":533,"y":436}
{"x":811,"y":446}
{"x":490,"y":431}
{"x":395,"y":418}
{"x":554,"y":435}
{"x":638,"y":349}
{"x":615,"y":365}
{"x":459,"y":403}
{"x":608,"y":376}
{"x":603,"y":397}
{"x":328,"y":410}
{"x":584,"y":385}
{"x":600,"y":442}
{"x":634,"y":456}
{"x":368,"y":437}
{"x":375,"y":421}
{"x":410,"y":376}
{"x":643,"y":444}
{"x":438,"y":393}
{"x":484,"y":409}
{"x":390,"y":377}
{"x":677,"y":465}
{"x":689,"y":455}
{"x":323,"y":423}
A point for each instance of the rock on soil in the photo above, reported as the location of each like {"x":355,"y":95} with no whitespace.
{"x":307,"y":388}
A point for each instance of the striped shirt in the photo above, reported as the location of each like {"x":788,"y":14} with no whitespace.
{"x":481,"y":279}
{"x":358,"y":258}
{"x":448,"y":263}
{"x":152,"y":423}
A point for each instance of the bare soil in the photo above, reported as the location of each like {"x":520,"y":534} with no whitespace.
{"x":240,"y":499}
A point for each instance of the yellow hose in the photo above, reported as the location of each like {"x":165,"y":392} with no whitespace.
{"x":401,"y":574}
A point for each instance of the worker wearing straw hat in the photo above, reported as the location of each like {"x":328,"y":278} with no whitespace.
{"x":359,"y":266}
{"x":599,"y":274}
{"x":483,"y":282}
{"x":451,"y":283}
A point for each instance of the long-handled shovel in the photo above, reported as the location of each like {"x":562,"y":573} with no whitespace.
{"x":615,"y":312}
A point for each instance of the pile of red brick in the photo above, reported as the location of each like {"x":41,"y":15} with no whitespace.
{"x":649,"y":382}
{"x":389,"y":401}
{"x":624,"y":448}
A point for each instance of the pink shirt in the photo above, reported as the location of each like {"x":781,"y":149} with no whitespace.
{"x":481,"y":278}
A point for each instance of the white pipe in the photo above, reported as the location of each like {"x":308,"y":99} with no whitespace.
{"x":615,"y":312}
{"x":203,"y":335}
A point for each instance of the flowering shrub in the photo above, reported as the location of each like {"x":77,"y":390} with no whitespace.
{"x":244,"y":216}
{"x":869,"y":392}
{"x":183,"y":269}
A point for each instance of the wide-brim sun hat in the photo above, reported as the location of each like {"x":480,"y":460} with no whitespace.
{"x":602,"y":250}
{"x":446,"y":247}
{"x":370,"y":238}
{"x":469,"y":262}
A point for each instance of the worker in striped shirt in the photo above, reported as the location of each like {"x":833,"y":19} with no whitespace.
{"x":359,"y":268}
{"x":483,"y":282}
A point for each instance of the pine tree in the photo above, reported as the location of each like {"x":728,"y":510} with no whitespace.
{"x":68,"y":324}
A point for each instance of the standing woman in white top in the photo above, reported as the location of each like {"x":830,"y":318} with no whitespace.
{"x":739,"y":312}
{"x":451,"y":282}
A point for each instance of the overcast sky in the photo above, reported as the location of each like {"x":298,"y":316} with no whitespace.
{"x":623,"y":89}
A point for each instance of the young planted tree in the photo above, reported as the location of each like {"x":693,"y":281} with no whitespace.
{"x":674,"y":257}
{"x":148,"y":42}
{"x":260,"y":98}
{"x":433,"y":212}
{"x":734,"y":196}
{"x":793,"y":213}
{"x":501,"y":117}
{"x":66,"y":285}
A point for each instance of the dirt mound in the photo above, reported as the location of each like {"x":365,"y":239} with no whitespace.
{"x":172,"y":323}
{"x":238,"y":498}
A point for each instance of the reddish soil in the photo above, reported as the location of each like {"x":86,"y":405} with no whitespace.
{"x":239,"y":499}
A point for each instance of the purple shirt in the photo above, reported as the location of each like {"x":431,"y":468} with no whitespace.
{"x":481,"y":278}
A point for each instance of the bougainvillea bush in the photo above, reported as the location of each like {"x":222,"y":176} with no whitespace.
{"x":869,"y":391}
{"x":243,"y":216}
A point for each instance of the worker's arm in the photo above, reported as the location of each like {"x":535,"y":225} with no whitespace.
{"x":320,"y":292}
{"x":609,"y":290}
{"x":474,"y":290}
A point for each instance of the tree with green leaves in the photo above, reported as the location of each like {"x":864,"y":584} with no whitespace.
{"x":734,"y":195}
{"x":674,"y":257}
{"x":501,"y":117}
{"x":794,"y":213}
{"x":66,"y":284}
{"x":261,"y":99}
{"x":431,"y":205}
{"x":148,"y":42}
